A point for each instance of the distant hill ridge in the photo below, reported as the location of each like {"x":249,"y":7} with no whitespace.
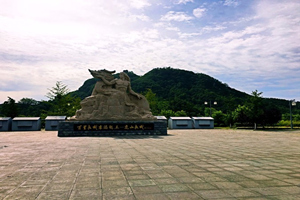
{"x":184,"y":90}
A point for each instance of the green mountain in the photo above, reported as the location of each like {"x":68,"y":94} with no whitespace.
{"x":185,"y":90}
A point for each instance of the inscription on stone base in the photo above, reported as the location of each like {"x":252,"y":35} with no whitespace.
{"x":111,"y":128}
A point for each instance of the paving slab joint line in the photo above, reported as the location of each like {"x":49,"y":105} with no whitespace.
{"x":101,"y":174}
{"x":125,"y":177}
{"x":54,"y":177}
{"x":49,"y":181}
{"x":76,"y":177}
{"x":25,"y":181}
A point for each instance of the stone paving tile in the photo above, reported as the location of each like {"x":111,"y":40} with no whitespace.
{"x":186,"y":164}
{"x":174,"y":188}
{"x":114,"y":183}
{"x":165,"y":181}
{"x":25,"y":193}
{"x":213,"y":194}
{"x":183,"y":195}
{"x":242,"y":193}
{"x":86,"y":194}
{"x":287,"y":197}
{"x":159,"y":196}
{"x":152,"y":189}
{"x":202,"y":186}
{"x":118,"y":191}
{"x":53,"y":195}
{"x":134,"y":183}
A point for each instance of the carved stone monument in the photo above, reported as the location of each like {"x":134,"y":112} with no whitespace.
{"x":112,"y":109}
{"x":113,"y":99}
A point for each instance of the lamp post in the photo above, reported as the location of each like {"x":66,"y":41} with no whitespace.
{"x":215,"y":103}
{"x":292,"y":103}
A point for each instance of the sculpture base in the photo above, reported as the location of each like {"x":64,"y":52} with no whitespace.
{"x":111,"y":128}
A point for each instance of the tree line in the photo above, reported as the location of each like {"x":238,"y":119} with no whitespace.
{"x":254,"y":112}
{"x":170,"y":92}
{"x":60,"y":103}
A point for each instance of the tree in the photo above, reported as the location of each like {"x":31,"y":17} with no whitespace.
{"x":58,"y":91}
{"x":240,"y":114}
{"x":62,"y":103}
{"x":64,"y":106}
{"x":207,"y":111}
{"x":28,"y":101}
{"x":167,"y":113}
{"x":156,"y":105}
{"x":255,"y":108}
{"x":10,"y":108}
{"x":152,"y":100}
{"x":228,"y":119}
{"x":29,"y":107}
{"x":180,"y":113}
{"x":271,"y":116}
{"x":219,"y":117}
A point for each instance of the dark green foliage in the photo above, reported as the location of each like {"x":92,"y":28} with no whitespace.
{"x":272,"y":115}
{"x":255,"y":107}
{"x":188,"y":91}
{"x":153,"y":101}
{"x":58,"y":91}
{"x":29,"y":107}
{"x":63,"y":106}
{"x":9,"y":108}
{"x":167,"y":113}
{"x":61,"y":102}
{"x":171,"y":113}
{"x":257,"y":111}
{"x":240,"y":114}
{"x":219,"y":118}
{"x":86,"y":89}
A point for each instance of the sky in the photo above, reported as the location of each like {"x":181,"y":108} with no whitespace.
{"x":248,"y":44}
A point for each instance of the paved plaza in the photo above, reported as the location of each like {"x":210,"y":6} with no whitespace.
{"x":185,"y":164}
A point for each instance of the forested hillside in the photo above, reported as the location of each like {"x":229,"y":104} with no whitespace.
{"x":185,"y":90}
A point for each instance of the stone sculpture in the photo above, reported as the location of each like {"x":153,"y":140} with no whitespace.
{"x":113,"y":99}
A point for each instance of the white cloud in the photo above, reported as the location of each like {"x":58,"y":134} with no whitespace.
{"x":204,"y":30}
{"x":184,"y":1}
{"x":188,"y":35}
{"x":140,"y":36}
{"x":139,"y":17}
{"x":208,"y":29}
{"x":138,"y":4}
{"x":233,"y":3}
{"x":167,"y":26}
{"x":176,"y":16}
{"x":198,"y":12}
{"x":40,"y":45}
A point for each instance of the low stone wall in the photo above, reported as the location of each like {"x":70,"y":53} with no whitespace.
{"x":111,"y":128}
